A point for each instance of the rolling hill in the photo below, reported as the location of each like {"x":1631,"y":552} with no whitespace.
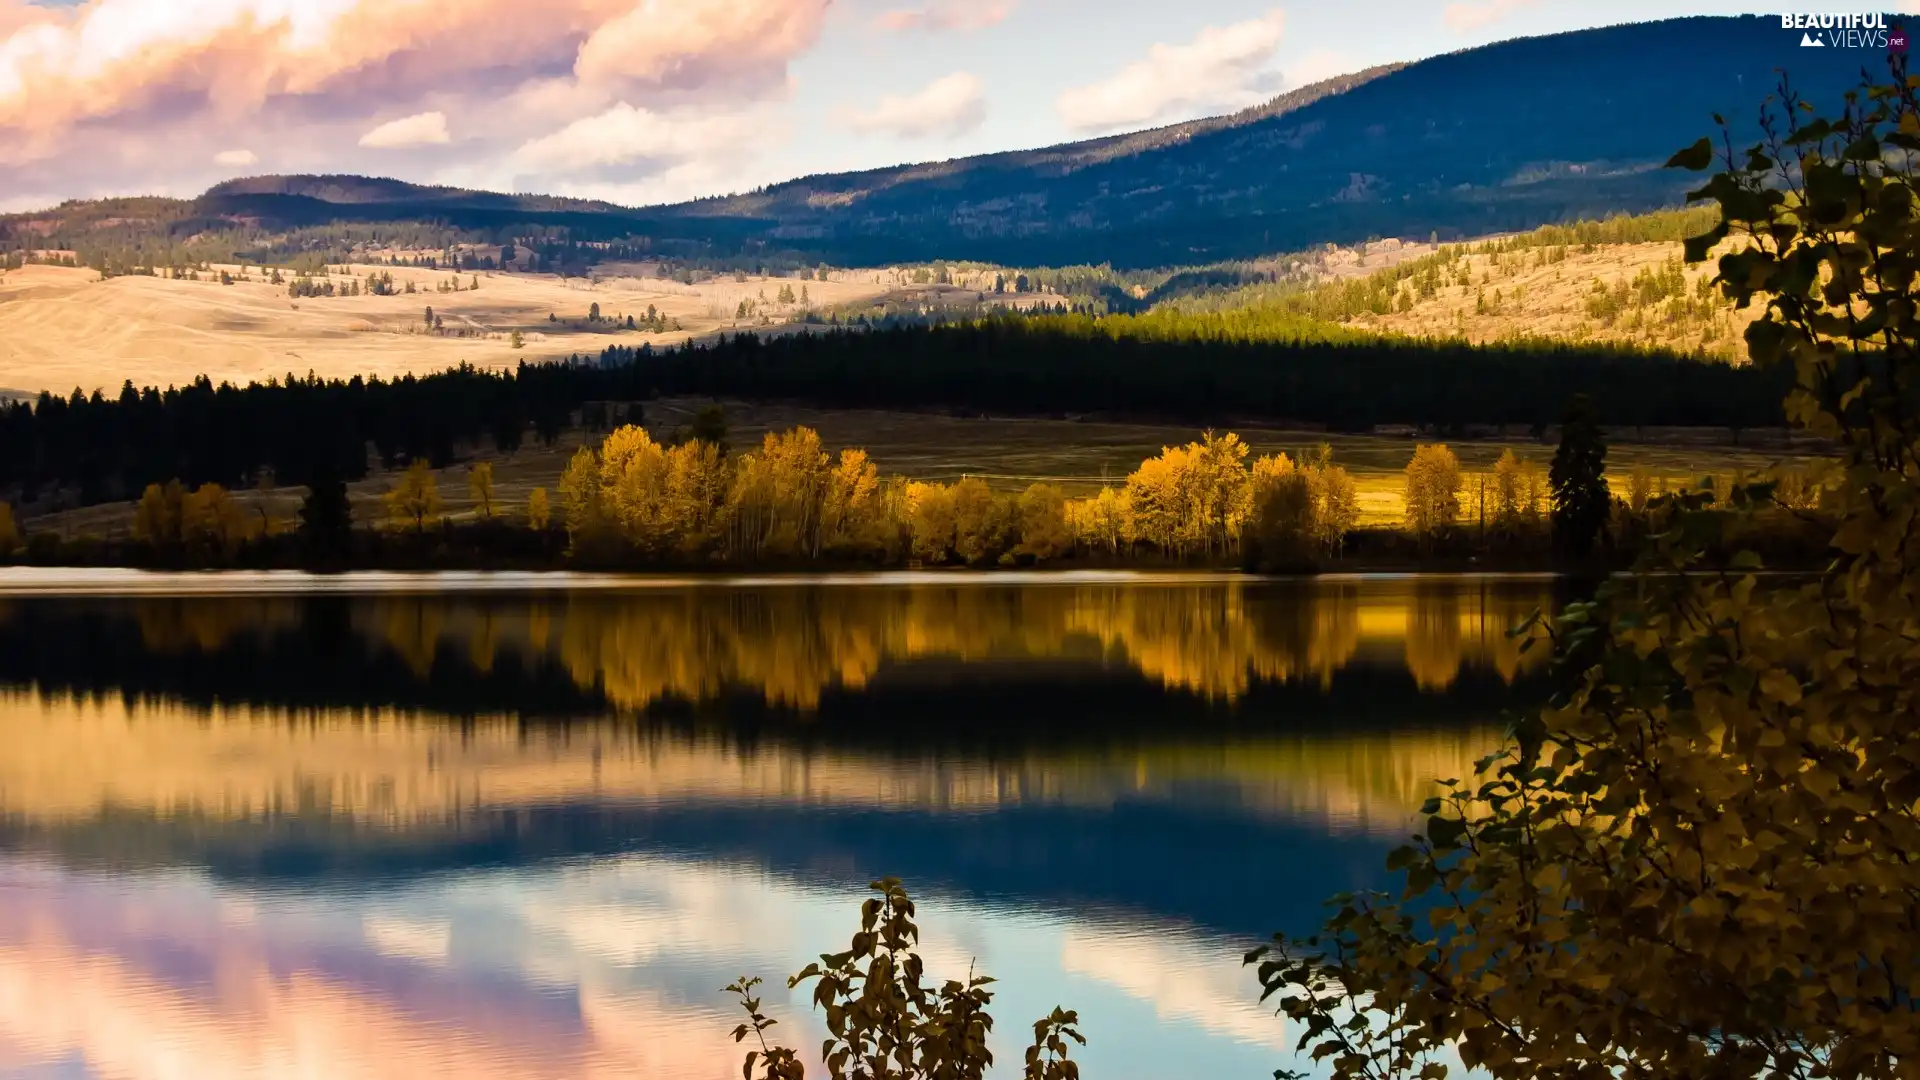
{"x":1492,"y":139}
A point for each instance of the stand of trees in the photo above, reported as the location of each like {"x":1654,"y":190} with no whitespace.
{"x":1204,"y":368}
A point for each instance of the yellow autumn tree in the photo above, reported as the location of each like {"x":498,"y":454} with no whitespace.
{"x":157,"y":519}
{"x":414,"y":498}
{"x":1221,"y":489}
{"x":480,"y":485}
{"x":930,"y":516}
{"x":1044,"y":533}
{"x":1433,"y":490}
{"x":539,"y":510}
{"x":775,"y":504}
{"x":1283,"y":527}
{"x":1336,"y":502}
{"x":1164,"y":495}
{"x":698,"y":475}
{"x":852,"y":514}
{"x":1104,"y":521}
{"x":211,"y":520}
{"x":581,"y":502}
{"x":983,"y":522}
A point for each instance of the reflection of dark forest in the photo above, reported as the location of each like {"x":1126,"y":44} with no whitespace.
{"x":833,"y":653}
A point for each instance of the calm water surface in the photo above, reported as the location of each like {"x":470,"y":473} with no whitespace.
{"x":257,"y":825}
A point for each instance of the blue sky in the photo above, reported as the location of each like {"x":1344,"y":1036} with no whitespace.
{"x":651,"y":100}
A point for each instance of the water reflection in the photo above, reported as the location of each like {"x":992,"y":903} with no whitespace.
{"x":790,"y":646}
{"x":528,"y":833}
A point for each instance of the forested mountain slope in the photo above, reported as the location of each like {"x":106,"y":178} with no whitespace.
{"x":1492,"y":139}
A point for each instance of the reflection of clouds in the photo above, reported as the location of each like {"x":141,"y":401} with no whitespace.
{"x":1185,"y":979}
{"x":91,"y":968}
{"x":150,"y":978}
{"x":407,"y":938}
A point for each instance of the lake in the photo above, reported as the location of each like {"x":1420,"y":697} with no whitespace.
{"x":380,"y":825}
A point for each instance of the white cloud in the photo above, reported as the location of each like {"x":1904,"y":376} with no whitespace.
{"x":1461,"y":17}
{"x":1317,"y":65}
{"x":420,"y":129}
{"x":629,"y":136}
{"x":952,"y":105}
{"x":1223,"y":68}
{"x":235,"y":158}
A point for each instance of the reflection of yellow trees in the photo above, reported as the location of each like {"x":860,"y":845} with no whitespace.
{"x":206,"y":624}
{"x":791,"y":644}
{"x":65,"y":759}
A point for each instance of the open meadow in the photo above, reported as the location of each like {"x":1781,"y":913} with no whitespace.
{"x":62,"y":327}
{"x":1079,"y":456}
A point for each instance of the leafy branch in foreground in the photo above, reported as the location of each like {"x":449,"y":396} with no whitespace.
{"x":884,"y":1023}
{"x":1703,"y":858}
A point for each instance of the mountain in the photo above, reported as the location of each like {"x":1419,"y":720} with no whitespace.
{"x":1498,"y":138}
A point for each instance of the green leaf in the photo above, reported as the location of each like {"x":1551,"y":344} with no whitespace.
{"x":1695,"y":157}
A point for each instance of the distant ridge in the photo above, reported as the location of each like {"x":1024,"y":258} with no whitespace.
{"x":1502,"y":137}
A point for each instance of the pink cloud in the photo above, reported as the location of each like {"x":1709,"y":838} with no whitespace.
{"x":947,"y":15}
{"x":142,"y":74}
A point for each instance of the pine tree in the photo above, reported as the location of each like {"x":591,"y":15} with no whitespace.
{"x":326,"y":515}
{"x":1578,"y":478}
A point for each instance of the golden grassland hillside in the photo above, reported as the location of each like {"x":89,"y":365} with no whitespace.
{"x":1619,"y":281}
{"x":66,"y":327}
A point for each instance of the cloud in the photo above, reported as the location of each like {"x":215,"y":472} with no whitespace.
{"x":420,"y":129}
{"x":235,"y":158}
{"x":952,"y":105}
{"x":1223,"y":68}
{"x":1461,"y":17}
{"x":685,"y":44}
{"x":962,"y":15}
{"x":625,"y":135}
{"x":1317,"y":65}
{"x":112,"y":96}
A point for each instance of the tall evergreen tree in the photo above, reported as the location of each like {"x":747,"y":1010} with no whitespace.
{"x":1578,"y":479}
{"x":326,"y":516}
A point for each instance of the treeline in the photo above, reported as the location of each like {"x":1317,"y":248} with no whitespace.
{"x":1204,"y":368}
{"x":108,"y":448}
{"x":99,"y":448}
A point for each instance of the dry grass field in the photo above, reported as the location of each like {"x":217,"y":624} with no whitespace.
{"x":1078,"y":456}
{"x":63,"y":328}
{"x":1520,"y":294}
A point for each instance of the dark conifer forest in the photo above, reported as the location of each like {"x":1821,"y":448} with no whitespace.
{"x":288,"y":431}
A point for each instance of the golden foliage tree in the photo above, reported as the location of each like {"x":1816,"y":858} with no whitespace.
{"x":1044,"y":533}
{"x":9,"y":530}
{"x":212,"y":521}
{"x":480,"y":485}
{"x":1104,"y":522}
{"x":415,"y":498}
{"x":930,"y":513}
{"x":1702,"y":859}
{"x":539,"y":510}
{"x":1282,"y":529}
{"x":1433,"y":490}
{"x":983,"y":523}
{"x":157,"y":518}
{"x":581,"y":504}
